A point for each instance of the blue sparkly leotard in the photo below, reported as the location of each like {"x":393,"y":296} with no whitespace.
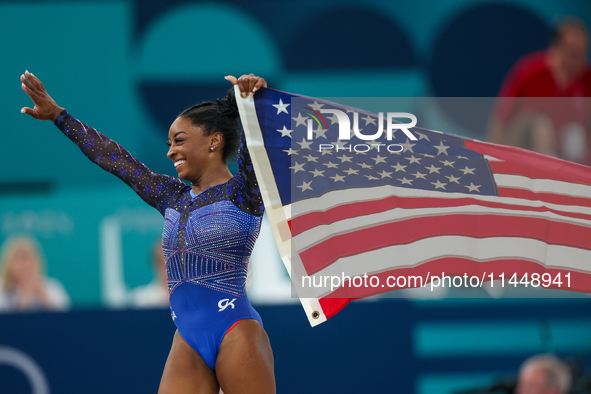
{"x":207,"y":238}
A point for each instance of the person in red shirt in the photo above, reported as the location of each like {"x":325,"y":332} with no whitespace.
{"x":544,"y":103}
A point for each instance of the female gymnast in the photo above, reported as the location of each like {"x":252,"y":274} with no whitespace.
{"x":209,"y":231}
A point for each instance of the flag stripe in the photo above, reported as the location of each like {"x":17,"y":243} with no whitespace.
{"x":475,"y":249}
{"x":545,"y":197}
{"x":528,"y":163}
{"x":543,"y":185}
{"x":376,"y":236}
{"x":504,"y":167}
{"x":456,"y":266}
{"x":313,"y":236}
{"x":304,"y":223}
{"x":342,"y":197}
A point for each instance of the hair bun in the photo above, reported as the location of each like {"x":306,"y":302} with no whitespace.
{"x":227,"y":106}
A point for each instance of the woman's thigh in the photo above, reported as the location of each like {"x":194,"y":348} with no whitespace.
{"x":245,"y":361}
{"x":186,"y":372}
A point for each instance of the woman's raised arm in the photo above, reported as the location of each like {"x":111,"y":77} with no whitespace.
{"x":155,"y":189}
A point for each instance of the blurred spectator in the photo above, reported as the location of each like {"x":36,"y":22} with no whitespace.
{"x":542,"y":105}
{"x":23,"y":284}
{"x":155,"y":293}
{"x":543,"y":374}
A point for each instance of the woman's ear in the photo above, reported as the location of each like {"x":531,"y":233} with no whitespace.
{"x":217,"y":140}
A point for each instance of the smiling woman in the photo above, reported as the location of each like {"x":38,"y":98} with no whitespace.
{"x":209,"y":233}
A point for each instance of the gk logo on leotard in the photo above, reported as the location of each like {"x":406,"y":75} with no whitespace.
{"x":223,"y":304}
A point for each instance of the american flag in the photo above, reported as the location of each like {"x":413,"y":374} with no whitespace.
{"x":346,"y":208}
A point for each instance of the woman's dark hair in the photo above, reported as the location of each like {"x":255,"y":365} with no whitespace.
{"x":219,"y":116}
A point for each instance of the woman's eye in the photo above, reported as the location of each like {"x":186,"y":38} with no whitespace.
{"x":177,"y":141}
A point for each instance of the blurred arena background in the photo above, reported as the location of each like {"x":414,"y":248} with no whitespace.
{"x":129,"y":67}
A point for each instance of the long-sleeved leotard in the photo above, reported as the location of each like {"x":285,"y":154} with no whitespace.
{"x":207,"y":238}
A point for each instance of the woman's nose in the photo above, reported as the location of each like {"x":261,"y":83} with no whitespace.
{"x":170,"y":153}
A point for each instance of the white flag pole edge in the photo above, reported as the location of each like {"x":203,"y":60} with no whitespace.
{"x":273,"y":207}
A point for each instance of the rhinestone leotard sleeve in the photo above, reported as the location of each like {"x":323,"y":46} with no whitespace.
{"x":157,"y":190}
{"x":244,"y":188}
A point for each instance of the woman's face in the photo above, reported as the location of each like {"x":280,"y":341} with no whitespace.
{"x":189,"y":149}
{"x":24,"y":265}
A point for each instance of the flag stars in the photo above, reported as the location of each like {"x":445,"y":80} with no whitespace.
{"x":419,"y":175}
{"x":297,"y":167}
{"x":317,"y":173}
{"x":281,"y":107}
{"x":371,"y":177}
{"x":300,"y":120}
{"x":311,"y":158}
{"x":291,"y":151}
{"x":439,"y":185}
{"x":385,"y":174}
{"x":368,"y":119}
{"x":316,"y":106}
{"x":306,"y":186}
{"x":433,"y":169}
{"x":304,"y":144}
{"x":285,"y":132}
{"x":379,"y":159}
{"x":422,"y":136}
{"x":473,"y":187}
{"x":441,"y":149}
{"x":399,"y":167}
{"x":467,"y":170}
{"x":330,"y":165}
{"x":344,"y":158}
{"x":320,"y":132}
{"x":338,"y":144}
{"x":462,"y":157}
{"x":351,"y":171}
{"x":447,"y":163}
{"x":413,"y":159}
{"x":364,"y":165}
{"x":406,"y":181}
{"x":452,"y":178}
{"x":407,"y":146}
{"x":338,"y":178}
{"x":333,"y":119}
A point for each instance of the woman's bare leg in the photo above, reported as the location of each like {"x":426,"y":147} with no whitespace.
{"x":245,"y":360}
{"x":186,"y":372}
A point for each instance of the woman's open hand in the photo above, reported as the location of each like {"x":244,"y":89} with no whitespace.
{"x":248,"y":84}
{"x":45,"y":108}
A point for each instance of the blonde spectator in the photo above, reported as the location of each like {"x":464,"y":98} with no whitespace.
{"x":23,"y":284}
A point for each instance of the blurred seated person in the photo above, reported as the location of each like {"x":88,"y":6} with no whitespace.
{"x":543,"y":104}
{"x":543,"y":374}
{"x":23,"y":284}
{"x":154,"y":294}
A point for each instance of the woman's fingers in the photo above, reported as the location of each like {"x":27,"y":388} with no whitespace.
{"x":35,"y":81}
{"x":30,"y":91}
{"x":45,"y":108}
{"x":261,"y":83}
{"x":243,"y":85}
{"x":239,"y":82}
{"x":232,"y":79}
{"x":248,"y":84}
{"x":31,"y":112}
